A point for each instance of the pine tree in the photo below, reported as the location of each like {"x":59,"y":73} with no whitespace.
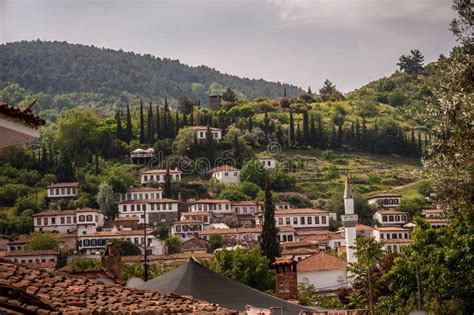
{"x":142,"y":122}
{"x":150,"y":129}
{"x":306,"y":127}
{"x":299,"y":134}
{"x":292,"y":130}
{"x":118,"y":129}
{"x":269,"y":243}
{"x":191,"y":117}
{"x":129,"y":125}
{"x":165,"y":120}
{"x":177,"y":123}
{"x":309,"y":90}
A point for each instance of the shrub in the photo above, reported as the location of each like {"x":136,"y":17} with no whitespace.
{"x":9,"y":193}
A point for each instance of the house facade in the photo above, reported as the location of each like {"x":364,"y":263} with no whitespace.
{"x":201,"y":133}
{"x":390,"y":217}
{"x":217,"y":206}
{"x":158,"y":211}
{"x":268,"y":162}
{"x":186,"y":229}
{"x":302,"y":218}
{"x":226,"y":174}
{"x":140,"y":193}
{"x":83,"y":221}
{"x":385,"y":200}
{"x":326,"y":272}
{"x":392,"y":237}
{"x":63,"y":190}
{"x":159,"y":176}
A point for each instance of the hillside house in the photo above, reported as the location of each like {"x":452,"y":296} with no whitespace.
{"x":226,"y":174}
{"x":158,"y":211}
{"x":83,"y":221}
{"x":303,"y":218}
{"x":390,"y":217}
{"x":218,"y":206}
{"x":254,"y":234}
{"x":186,"y":229}
{"x":159,"y":176}
{"x":386,"y":200}
{"x":202,"y":216}
{"x":141,"y":156}
{"x":268,"y":162}
{"x":63,"y":190}
{"x":201,"y":133}
{"x":245,"y":207}
{"x":44,"y":259}
{"x":282,"y":205}
{"x":392,"y":237}
{"x":140,"y":193}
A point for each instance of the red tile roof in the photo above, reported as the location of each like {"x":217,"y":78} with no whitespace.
{"x":390,"y":228}
{"x":62,"y":185}
{"x":383,"y":194}
{"x":324,"y":237}
{"x":143,"y":188}
{"x":205,"y":128}
{"x":117,"y":233}
{"x":363,"y":227}
{"x":223,"y":168}
{"x":281,"y":212}
{"x":27,"y":290}
{"x":320,"y":262}
{"x":391,"y":212}
{"x":244,"y":203}
{"x":170,"y":257}
{"x":397,"y":241}
{"x":20,"y":253}
{"x":130,"y":218}
{"x":209,"y":201}
{"x":160,"y":171}
{"x":162,"y":200}
{"x":195,"y":213}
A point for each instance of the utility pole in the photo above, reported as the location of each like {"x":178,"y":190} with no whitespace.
{"x":145,"y":257}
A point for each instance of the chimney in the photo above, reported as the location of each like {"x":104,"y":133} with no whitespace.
{"x":285,"y":276}
{"x":112,"y":261}
{"x":215,"y":102}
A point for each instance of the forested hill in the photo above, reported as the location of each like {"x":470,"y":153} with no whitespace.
{"x":59,"y":68}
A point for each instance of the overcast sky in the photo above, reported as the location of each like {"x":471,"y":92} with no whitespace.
{"x":351,"y":42}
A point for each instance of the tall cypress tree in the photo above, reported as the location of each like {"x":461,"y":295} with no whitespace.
{"x":299,"y":134}
{"x":313,"y":134}
{"x":292,"y":130}
{"x":191,"y":117}
{"x":177,"y":124}
{"x":142,"y":122}
{"x":266,"y":125}
{"x":167,"y":189}
{"x":209,"y":145}
{"x":158,"y":122}
{"x":250,"y":124}
{"x":150,"y":129}
{"x":321,"y":136}
{"x":118,"y":129}
{"x":165,"y":120}
{"x":269,"y":242}
{"x":185,"y":120}
{"x":284,"y":91}
{"x":306,"y":127}
{"x":129,"y":125}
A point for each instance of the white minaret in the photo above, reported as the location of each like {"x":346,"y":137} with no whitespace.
{"x":350,"y":220}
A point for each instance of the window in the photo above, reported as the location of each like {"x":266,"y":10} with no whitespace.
{"x":384,"y":218}
{"x":94,"y":242}
{"x":389,"y":248}
{"x":63,"y":220}
{"x":145,"y":178}
{"x":323,"y":220}
{"x":139,"y":207}
{"x":68,"y":220}
{"x":132,"y":207}
{"x":57,"y":191}
{"x":287,"y":221}
{"x":38,"y":221}
{"x":235,"y":174}
{"x":302,"y":220}
{"x":295,"y":220}
{"x":390,"y":218}
{"x":290,"y":238}
{"x":394,"y":235}
{"x":89,"y":218}
{"x":280,"y":221}
{"x":53,"y":220}
{"x":284,"y":238}
{"x":69,"y":191}
{"x":245,"y":209}
{"x":82,"y":218}
{"x":310,"y":220}
{"x":170,"y":206}
{"x":406,"y":235}
{"x":178,"y":228}
{"x":226,"y":174}
{"x":124,"y":207}
{"x":381,"y":236}
{"x":63,"y":191}
{"x":86,"y":242}
{"x":397,"y":218}
{"x":201,"y":134}
{"x":404,"y":218}
{"x":396,"y":201}
{"x":390,"y":201}
{"x":152,"y":206}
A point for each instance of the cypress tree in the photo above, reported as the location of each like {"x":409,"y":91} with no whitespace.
{"x":142,"y":122}
{"x":151,"y":132}
{"x":158,"y":122}
{"x":209,"y":145}
{"x":413,"y":146}
{"x":266,"y":125}
{"x":269,"y":243}
{"x":284,"y":90}
{"x":292,"y":130}
{"x":250,"y":124}
{"x":426,"y":139}
{"x":306,"y":126}
{"x":313,"y":134}
{"x":420,"y":144}
{"x":309,"y":90}
{"x":165,"y":120}
{"x":118,"y":129}
{"x":191,"y":117}
{"x":129,"y":125}
{"x":333,"y":137}
{"x":321,"y":136}
{"x":167,"y":189}
{"x":185,"y":120}
{"x":44,"y":159}
{"x":177,"y":123}
{"x":299,"y":134}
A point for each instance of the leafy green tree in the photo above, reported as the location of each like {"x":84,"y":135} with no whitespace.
{"x":215,"y":241}
{"x":16,"y":225}
{"x":79,"y":263}
{"x":412,"y":205}
{"x":130,"y":270}
{"x":270,"y":242}
{"x":126,"y":248}
{"x":412,"y":63}
{"x":250,"y":189}
{"x":9,"y":193}
{"x":249,"y":267}
{"x":232,"y":193}
{"x":229,"y":96}
{"x":105,"y":199}
{"x":26,"y":203}
{"x":397,"y":98}
{"x":186,"y":105}
{"x":173,"y":244}
{"x":184,"y":141}
{"x":129,"y":130}
{"x":280,"y":181}
{"x":253,"y":171}
{"x":44,"y":240}
{"x":292,"y":130}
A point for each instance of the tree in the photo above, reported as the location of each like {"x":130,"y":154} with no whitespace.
{"x":270,"y":242}
{"x":129,"y":132}
{"x":330,"y":92}
{"x":184,"y":142}
{"x":185,"y":105}
{"x":105,"y":199}
{"x":292,"y":130}
{"x":173,"y":244}
{"x":167,"y":187}
{"x":229,"y":96}
{"x":142,"y":124}
{"x":44,"y":241}
{"x":253,"y":171}
{"x":118,"y":130}
{"x":150,"y":131}
{"x":126,"y":248}
{"x":215,"y":241}
{"x":130,"y":270}
{"x":249,"y":267}
{"x":412,"y":63}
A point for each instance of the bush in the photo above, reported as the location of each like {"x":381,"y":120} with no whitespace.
{"x":126,"y":248}
{"x":25,"y":203}
{"x":9,"y":193}
{"x":232,"y":193}
{"x":331,"y":173}
{"x":280,"y":181}
{"x":296,"y":200}
{"x":412,"y":205}
{"x":396,"y":98}
{"x":44,"y":240}
{"x":173,"y":244}
{"x":254,"y":172}
{"x":250,"y":189}
{"x":79,"y":263}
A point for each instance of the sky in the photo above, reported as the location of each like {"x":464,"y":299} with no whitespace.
{"x":302,"y":42}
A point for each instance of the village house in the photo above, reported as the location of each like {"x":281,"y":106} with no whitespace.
{"x":141,"y":156}
{"x":159,"y":176}
{"x":46,"y":259}
{"x":201,"y":133}
{"x":245,"y":207}
{"x":63,"y":190}
{"x":268,"y":162}
{"x":253,"y":234}
{"x":140,"y":193}
{"x":282,"y":205}
{"x":433,"y":213}
{"x":201,"y":216}
{"x":326,"y":272}
{"x":303,"y":218}
{"x":186,"y":229}
{"x":4,"y":240}
{"x":158,"y":211}
{"x":386,"y":200}
{"x":390,"y":217}
{"x":194,"y":245}
{"x":327,"y":239}
{"x":298,"y":250}
{"x":93,"y":243}
{"x":83,"y":221}
{"x":392,"y":237}
{"x":211,"y":205}
{"x":226,"y":174}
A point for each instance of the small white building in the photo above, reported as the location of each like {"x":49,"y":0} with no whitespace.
{"x":268,"y":162}
{"x":282,"y":205}
{"x":186,"y":229}
{"x":302,"y":218}
{"x":158,"y":211}
{"x":201,"y":133}
{"x":252,"y":234}
{"x":45,"y":259}
{"x":392,"y":237}
{"x":326,"y":272}
{"x":63,"y":190}
{"x":433,"y":213}
{"x":159,"y":176}
{"x":83,"y":221}
{"x":140,"y":193}
{"x":390,"y":217}
{"x":211,"y":205}
{"x":88,"y":220}
{"x":226,"y":174}
{"x":202,"y":216}
{"x":245,"y":207}
{"x":386,"y":200}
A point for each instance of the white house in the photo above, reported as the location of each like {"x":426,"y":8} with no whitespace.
{"x":299,"y":218}
{"x":282,"y":205}
{"x":143,"y":192}
{"x":226,"y":174}
{"x":46,"y":259}
{"x":186,"y":229}
{"x":63,"y":190}
{"x":92,"y":243}
{"x":390,"y":217}
{"x":327,"y":239}
{"x":392,"y":237}
{"x":252,"y":234}
{"x":202,"y":216}
{"x":268,"y":162}
{"x":433,"y":213}
{"x":385,"y":200}
{"x":159,"y":176}
{"x":326,"y":272}
{"x":84,"y":220}
{"x":158,"y":211}
{"x":245,"y":207}
{"x":211,"y":205}
{"x":201,"y":132}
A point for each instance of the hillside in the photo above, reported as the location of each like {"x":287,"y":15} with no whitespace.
{"x":61,"y":68}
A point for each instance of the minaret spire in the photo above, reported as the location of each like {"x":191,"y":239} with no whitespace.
{"x":350,"y":221}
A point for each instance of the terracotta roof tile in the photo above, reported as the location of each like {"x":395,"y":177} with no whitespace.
{"x":391,"y":212}
{"x":160,"y":171}
{"x":205,"y":128}
{"x":281,"y":212}
{"x":321,"y":261}
{"x":223,"y":168}
{"x":162,"y":200}
{"x":60,"y":185}
{"x":209,"y":201}
{"x":19,"y":253}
